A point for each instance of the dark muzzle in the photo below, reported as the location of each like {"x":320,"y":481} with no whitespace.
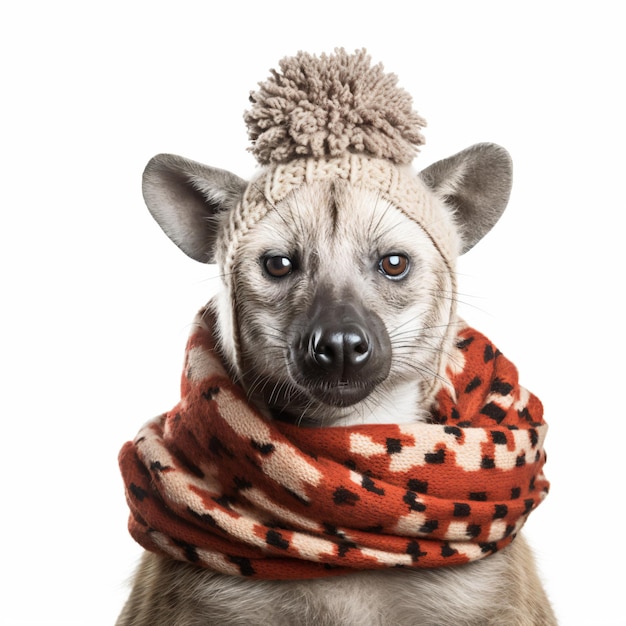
{"x":341,"y":352}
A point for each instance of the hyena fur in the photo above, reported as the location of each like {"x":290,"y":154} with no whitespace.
{"x":337,"y":236}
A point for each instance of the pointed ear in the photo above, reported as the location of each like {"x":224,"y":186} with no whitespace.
{"x":476,"y":184}
{"x":186,"y":198}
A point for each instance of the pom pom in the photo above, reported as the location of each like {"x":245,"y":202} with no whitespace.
{"x":330,"y":105}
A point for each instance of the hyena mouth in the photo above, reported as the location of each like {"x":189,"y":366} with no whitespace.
{"x":340,"y":354}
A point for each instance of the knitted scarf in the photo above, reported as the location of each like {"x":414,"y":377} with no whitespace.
{"x":215,"y":483}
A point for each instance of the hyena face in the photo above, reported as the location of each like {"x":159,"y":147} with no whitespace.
{"x":337,"y":306}
{"x":342,"y":304}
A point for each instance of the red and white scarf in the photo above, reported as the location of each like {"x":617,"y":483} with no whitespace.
{"x":215,"y":483}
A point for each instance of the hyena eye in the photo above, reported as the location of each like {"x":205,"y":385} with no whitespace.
{"x":277,"y":266}
{"x":394,"y":266}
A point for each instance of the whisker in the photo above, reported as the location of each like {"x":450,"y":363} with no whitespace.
{"x":393,"y":226}
{"x":300,"y":223}
{"x":271,"y":204}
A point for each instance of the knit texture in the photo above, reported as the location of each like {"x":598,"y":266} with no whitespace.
{"x":330,"y":105}
{"x":216,"y":484}
{"x":334,"y":118}
{"x":398,"y":185}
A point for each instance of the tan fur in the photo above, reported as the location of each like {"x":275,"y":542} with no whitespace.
{"x":336,"y":228}
{"x":337,"y":232}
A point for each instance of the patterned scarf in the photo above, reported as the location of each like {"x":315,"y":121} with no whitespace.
{"x":215,"y":483}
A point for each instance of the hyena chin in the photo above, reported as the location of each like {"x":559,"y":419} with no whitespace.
{"x":343,"y":307}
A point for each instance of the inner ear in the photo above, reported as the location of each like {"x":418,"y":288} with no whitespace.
{"x":476,"y":184}
{"x":186,"y":198}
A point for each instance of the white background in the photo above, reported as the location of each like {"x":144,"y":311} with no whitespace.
{"x":96,"y":302}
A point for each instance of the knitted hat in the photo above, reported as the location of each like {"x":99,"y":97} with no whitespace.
{"x":336,"y":117}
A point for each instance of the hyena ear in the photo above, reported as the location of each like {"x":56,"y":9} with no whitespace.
{"x":476,"y":183}
{"x":186,"y":198}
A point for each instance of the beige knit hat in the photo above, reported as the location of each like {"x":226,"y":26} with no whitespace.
{"x":336,"y":117}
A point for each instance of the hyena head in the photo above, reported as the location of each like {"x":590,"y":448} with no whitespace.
{"x":339,"y":295}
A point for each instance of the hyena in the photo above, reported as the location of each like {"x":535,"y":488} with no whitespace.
{"x":338,"y":309}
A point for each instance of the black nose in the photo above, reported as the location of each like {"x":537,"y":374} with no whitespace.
{"x":341,"y":350}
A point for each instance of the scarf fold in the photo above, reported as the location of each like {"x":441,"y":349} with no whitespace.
{"x":215,"y":483}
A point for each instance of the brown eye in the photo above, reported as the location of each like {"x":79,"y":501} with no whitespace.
{"x":278,"y":266}
{"x":394,"y":266}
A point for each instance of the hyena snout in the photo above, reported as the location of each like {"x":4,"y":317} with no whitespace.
{"x":341,"y":353}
